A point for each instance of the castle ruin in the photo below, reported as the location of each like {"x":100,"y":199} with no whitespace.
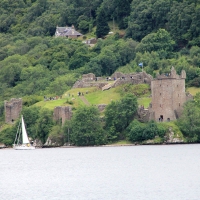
{"x":62,"y":113}
{"x":90,"y":80}
{"x":168,"y":96}
{"x":13,"y":109}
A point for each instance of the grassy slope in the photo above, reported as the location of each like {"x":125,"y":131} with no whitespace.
{"x":103,"y":97}
{"x":96,"y":96}
{"x":193,"y":90}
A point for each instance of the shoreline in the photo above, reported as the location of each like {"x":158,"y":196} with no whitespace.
{"x":108,"y":145}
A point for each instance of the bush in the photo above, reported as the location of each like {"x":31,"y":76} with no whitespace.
{"x":138,"y":132}
{"x":32,"y":99}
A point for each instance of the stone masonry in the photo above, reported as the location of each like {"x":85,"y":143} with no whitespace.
{"x":12,"y":109}
{"x":168,"y":96}
{"x":62,"y":113}
{"x":89,"y":80}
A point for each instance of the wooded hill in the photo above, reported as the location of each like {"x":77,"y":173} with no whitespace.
{"x":33,"y":63}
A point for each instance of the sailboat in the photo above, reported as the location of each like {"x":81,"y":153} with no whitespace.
{"x":21,"y":140}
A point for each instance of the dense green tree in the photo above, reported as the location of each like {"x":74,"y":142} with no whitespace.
{"x":135,"y":132}
{"x":160,"y":42}
{"x":34,"y":79}
{"x":61,"y":84}
{"x":7,"y":135}
{"x":102,"y":25}
{"x":138,"y":132}
{"x":118,"y":116}
{"x":44,"y":124}
{"x":109,"y":61}
{"x":140,"y":21}
{"x":86,"y":128}
{"x":189,"y":122}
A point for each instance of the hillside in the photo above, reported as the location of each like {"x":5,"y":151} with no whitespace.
{"x":35,"y":64}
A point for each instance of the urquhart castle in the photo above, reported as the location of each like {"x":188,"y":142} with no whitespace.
{"x":167,"y":93}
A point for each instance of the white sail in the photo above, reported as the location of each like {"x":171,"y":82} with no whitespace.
{"x":25,"y":139}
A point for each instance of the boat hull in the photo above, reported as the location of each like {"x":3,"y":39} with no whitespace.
{"x":23,"y":147}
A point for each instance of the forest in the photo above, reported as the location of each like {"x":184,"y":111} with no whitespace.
{"x":35,"y":63}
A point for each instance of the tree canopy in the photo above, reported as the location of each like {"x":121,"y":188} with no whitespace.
{"x":86,"y":128}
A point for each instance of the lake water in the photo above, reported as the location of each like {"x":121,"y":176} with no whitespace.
{"x":170,"y":172}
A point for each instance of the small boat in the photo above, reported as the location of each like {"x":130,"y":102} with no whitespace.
{"x":21,"y":140}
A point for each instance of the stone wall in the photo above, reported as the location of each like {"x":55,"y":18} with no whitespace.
{"x":82,"y":84}
{"x":62,"y":113}
{"x":12,"y":110}
{"x":133,"y":78}
{"x":143,"y":115}
{"x":101,"y":107}
{"x":168,"y":96}
{"x":88,"y":77}
{"x":89,"y":80}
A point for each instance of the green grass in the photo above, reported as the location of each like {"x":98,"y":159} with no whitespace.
{"x":193,"y":90}
{"x":74,"y":92}
{"x":103,"y":97}
{"x":121,"y":142}
{"x":51,"y":104}
{"x":145,"y":101}
{"x":94,"y":96}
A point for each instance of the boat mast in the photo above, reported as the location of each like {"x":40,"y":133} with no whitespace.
{"x":18,"y":133}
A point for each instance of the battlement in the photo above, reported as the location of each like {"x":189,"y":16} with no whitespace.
{"x":172,"y":75}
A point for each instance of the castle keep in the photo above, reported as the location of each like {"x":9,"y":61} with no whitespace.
{"x":168,"y":96}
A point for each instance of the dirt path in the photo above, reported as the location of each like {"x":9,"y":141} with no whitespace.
{"x":84,"y":100}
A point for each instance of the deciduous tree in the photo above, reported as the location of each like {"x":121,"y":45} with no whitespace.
{"x":86,"y":127}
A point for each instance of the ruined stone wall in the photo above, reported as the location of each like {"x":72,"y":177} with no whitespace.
{"x":82,"y":84}
{"x":62,"y":113}
{"x":134,"y":78}
{"x":89,"y":80}
{"x":88,"y":77}
{"x":12,"y":110}
{"x":127,"y":80}
{"x":168,"y":97}
{"x":101,"y":107}
{"x":143,"y":115}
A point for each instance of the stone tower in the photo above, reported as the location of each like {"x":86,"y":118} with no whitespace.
{"x":168,"y":96}
{"x":63,"y":113}
{"x":12,"y":110}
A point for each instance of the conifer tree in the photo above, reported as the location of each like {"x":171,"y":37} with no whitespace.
{"x":102,"y":25}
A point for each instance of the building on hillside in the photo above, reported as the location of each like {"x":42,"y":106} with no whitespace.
{"x":68,"y":32}
{"x":168,"y":96}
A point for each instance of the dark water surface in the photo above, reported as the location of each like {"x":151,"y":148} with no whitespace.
{"x":170,"y":172}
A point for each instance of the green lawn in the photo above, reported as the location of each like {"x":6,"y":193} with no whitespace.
{"x":102,"y":97}
{"x":121,"y":142}
{"x":51,"y":104}
{"x":93,"y":95}
{"x":193,"y":90}
{"x":145,"y":101}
